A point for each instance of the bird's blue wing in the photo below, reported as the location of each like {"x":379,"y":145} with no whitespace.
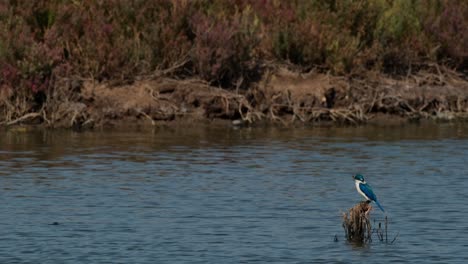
{"x":367,"y":190}
{"x":379,"y":205}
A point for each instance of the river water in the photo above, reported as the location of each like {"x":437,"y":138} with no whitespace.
{"x":201,"y":194}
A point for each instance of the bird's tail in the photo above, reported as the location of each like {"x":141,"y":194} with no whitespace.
{"x":380,"y":206}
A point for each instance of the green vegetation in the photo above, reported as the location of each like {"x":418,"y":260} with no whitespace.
{"x":226,"y":43}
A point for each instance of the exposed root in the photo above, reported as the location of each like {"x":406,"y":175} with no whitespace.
{"x":282,"y":97}
{"x":23,"y":118}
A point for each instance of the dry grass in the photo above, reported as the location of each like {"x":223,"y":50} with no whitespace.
{"x":357,"y":224}
{"x":358,"y":227}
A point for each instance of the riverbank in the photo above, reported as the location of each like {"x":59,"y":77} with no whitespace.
{"x":85,"y":64}
{"x":280,"y":97}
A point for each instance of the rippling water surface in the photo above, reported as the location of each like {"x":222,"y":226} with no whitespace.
{"x":222,"y":195}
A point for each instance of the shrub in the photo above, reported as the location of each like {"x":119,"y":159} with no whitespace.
{"x":223,"y":47}
{"x":222,"y":42}
{"x":448,"y":26}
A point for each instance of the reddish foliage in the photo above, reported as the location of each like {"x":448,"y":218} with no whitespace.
{"x":450,"y":29}
{"x":223,"y":42}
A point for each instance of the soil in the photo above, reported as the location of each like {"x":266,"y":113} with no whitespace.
{"x":281,"y":96}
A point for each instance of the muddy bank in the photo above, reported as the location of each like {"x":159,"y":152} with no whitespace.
{"x":281,"y":96}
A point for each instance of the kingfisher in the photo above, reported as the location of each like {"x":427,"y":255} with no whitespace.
{"x":365,"y":190}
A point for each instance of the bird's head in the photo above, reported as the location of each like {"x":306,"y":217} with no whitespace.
{"x":359,"y":177}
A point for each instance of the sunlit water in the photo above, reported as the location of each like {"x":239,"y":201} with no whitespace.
{"x":224,"y":195}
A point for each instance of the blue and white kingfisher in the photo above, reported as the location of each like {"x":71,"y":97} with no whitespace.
{"x":365,"y":190}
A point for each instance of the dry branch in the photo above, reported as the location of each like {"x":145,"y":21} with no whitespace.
{"x":23,"y":118}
